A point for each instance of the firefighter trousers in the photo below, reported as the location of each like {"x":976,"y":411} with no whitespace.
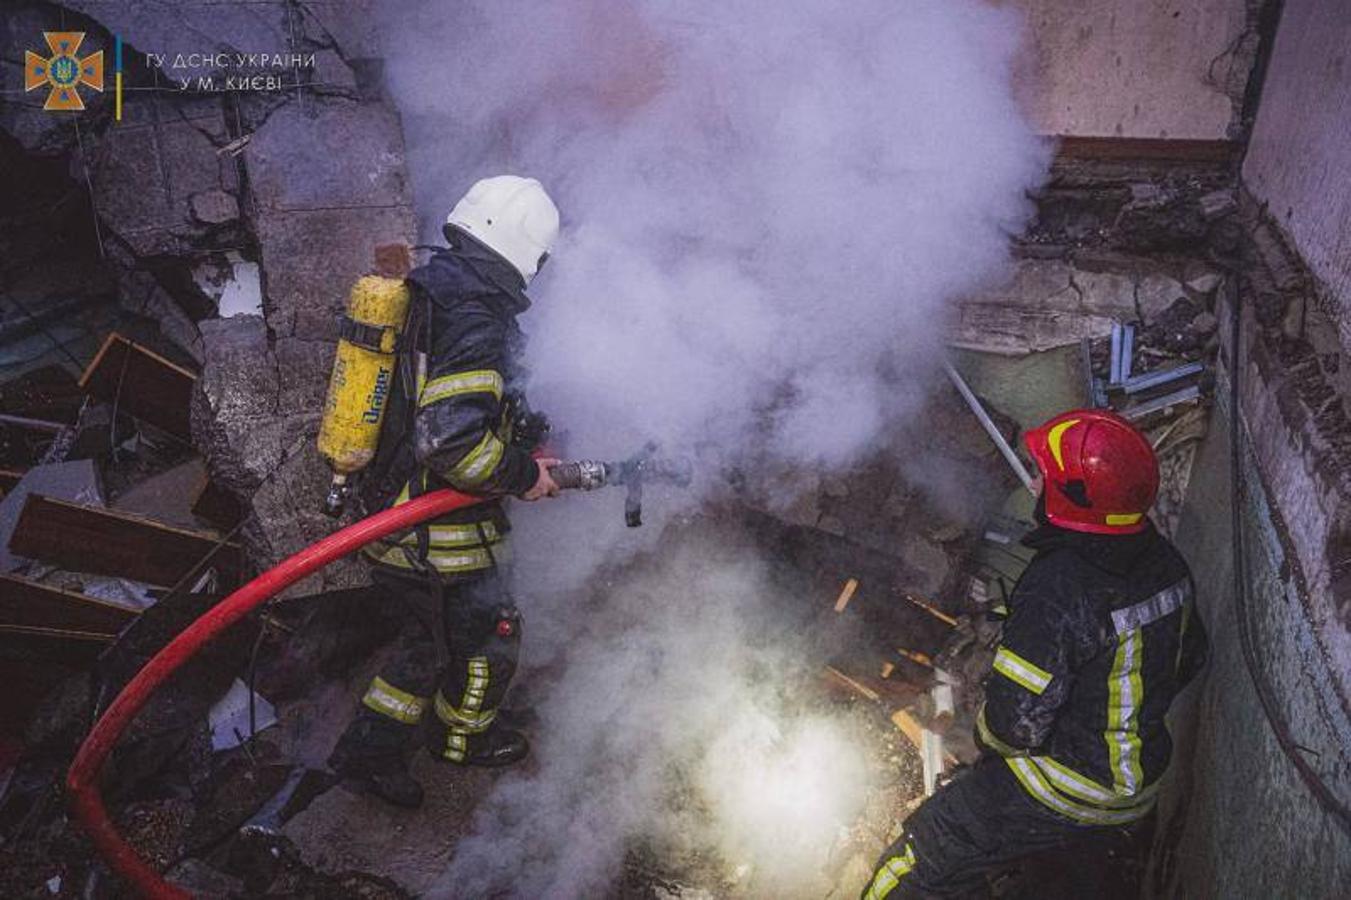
{"x":977,"y":824}
{"x":446,"y":674}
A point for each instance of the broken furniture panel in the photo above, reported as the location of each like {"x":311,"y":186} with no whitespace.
{"x":26,"y":604}
{"x":77,"y":480}
{"x":110,"y":543}
{"x":141,"y":383}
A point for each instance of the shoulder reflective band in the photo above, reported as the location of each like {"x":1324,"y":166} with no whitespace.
{"x":1035,"y":783}
{"x":1165,"y":602}
{"x":1125,"y":694}
{"x":890,"y":873}
{"x":386,"y":699}
{"x":480,"y":462}
{"x":991,"y":739}
{"x":478,"y":381}
{"x":1017,"y":669}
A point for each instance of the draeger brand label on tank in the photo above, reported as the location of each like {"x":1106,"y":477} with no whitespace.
{"x":375,"y":401}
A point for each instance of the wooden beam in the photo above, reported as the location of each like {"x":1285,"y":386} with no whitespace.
{"x":28,"y":604}
{"x":111,"y":543}
{"x":142,"y":383}
{"x":1121,"y":149}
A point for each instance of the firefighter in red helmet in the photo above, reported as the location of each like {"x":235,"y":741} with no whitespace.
{"x":1102,"y":634}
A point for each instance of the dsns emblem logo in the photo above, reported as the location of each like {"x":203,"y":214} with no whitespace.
{"x":63,"y":70}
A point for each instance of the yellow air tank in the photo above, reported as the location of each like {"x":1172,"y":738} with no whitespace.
{"x":363,"y":376}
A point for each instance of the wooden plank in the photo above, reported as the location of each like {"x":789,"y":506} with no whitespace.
{"x":28,"y":604}
{"x":1120,"y":149}
{"x":111,"y":543}
{"x":853,"y":684}
{"x":846,"y":594}
{"x":142,"y":383}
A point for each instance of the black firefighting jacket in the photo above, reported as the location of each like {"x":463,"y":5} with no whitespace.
{"x":1102,"y":634}
{"x":451,"y":426}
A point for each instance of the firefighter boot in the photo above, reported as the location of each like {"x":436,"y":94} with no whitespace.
{"x":378,"y":766}
{"x":498,"y":746}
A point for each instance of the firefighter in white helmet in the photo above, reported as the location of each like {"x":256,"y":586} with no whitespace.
{"x":463,"y":423}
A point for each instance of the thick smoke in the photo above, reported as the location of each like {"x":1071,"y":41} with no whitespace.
{"x":768,"y":207}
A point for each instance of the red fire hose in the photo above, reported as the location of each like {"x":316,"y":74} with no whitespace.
{"x":82,"y":780}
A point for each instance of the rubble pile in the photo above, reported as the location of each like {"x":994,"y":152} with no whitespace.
{"x":170,"y":296}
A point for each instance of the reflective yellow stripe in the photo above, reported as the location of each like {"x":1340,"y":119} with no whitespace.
{"x":476,"y":686}
{"x":1125,"y":693}
{"x":478,"y":381}
{"x":466,"y":720}
{"x":456,"y":744}
{"x":1041,"y":790}
{"x":388,"y":700}
{"x":479,"y":463}
{"x":991,"y":739}
{"x":1017,"y":669}
{"x":890,"y":873}
{"x":450,"y":537}
{"x":449,"y":562}
{"x":1068,"y":781}
{"x":1055,"y":436}
{"x":1124,"y":518}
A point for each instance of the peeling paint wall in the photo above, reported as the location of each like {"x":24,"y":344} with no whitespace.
{"x":1236,"y":820}
{"x":1146,"y":69}
{"x":1299,"y":158}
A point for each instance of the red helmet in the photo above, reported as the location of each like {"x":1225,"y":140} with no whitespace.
{"x":1101,"y":473}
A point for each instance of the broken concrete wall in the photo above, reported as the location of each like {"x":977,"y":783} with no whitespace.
{"x":1147,"y":70}
{"x":255,"y":146}
{"x":1299,"y":155}
{"x":1236,"y":820}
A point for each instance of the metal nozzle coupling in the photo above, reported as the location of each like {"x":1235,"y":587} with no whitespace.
{"x":336,"y":500}
{"x":582,"y":475}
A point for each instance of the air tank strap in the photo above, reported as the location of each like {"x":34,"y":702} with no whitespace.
{"x":376,"y":338}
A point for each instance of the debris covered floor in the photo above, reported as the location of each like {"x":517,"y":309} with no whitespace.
{"x":864,"y":611}
{"x":796,"y":657}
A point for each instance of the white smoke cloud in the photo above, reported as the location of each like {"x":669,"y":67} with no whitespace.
{"x":682,"y":719}
{"x":768,"y":207}
{"x":755,"y":194}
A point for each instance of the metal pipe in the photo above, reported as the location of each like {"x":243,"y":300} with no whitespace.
{"x":1114,"y":361}
{"x":1159,"y":378}
{"x":990,"y":429}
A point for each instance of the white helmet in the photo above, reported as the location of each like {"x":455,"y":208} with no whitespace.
{"x":512,"y":216}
